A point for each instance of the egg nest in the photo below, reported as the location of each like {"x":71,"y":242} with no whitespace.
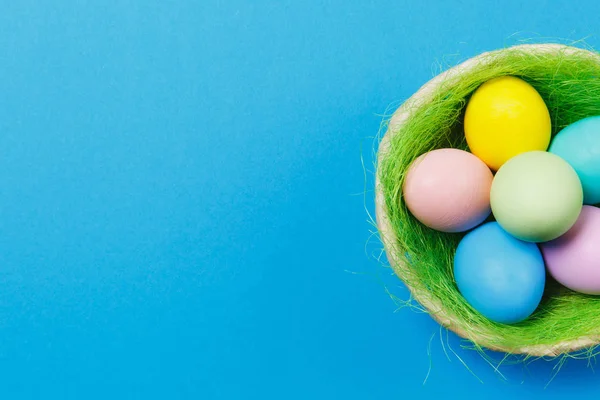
{"x":569,"y":83}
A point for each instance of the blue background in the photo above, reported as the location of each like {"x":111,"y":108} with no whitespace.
{"x":183,"y":199}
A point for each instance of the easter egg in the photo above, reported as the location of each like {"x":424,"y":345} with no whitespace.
{"x":506,"y":116}
{"x":574,"y":258}
{"x":536,"y":196}
{"x":579,"y":145}
{"x":499,"y":275}
{"x":448,"y":190}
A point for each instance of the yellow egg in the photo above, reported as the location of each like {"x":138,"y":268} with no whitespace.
{"x":506,"y":116}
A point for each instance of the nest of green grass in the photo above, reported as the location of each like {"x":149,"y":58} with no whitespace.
{"x":568,"y":79}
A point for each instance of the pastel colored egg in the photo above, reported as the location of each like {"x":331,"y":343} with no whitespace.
{"x":506,"y":116}
{"x":448,"y":190}
{"x":536,"y":196}
{"x":579,"y":145}
{"x":500,"y":276}
{"x":574,"y":258}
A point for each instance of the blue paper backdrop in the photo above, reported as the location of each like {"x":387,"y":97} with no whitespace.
{"x":182,"y":198}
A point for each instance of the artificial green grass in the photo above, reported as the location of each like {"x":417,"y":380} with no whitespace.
{"x":569,"y":83}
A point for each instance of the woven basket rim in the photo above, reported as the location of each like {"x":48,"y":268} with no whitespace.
{"x":388,"y":236}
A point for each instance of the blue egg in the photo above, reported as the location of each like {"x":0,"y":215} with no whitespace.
{"x":500,"y":276}
{"x":579,"y":145}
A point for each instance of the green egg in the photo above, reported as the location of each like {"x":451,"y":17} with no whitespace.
{"x":536,"y":196}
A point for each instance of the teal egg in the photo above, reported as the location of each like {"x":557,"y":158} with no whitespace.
{"x":536,"y":196}
{"x":579,"y":145}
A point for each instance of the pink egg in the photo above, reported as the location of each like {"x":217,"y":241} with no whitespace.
{"x":574,"y":258}
{"x":448,"y":190}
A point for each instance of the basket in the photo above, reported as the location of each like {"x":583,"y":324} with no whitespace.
{"x":389,"y":237}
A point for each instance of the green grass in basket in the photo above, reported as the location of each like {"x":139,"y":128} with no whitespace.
{"x":570,"y":86}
